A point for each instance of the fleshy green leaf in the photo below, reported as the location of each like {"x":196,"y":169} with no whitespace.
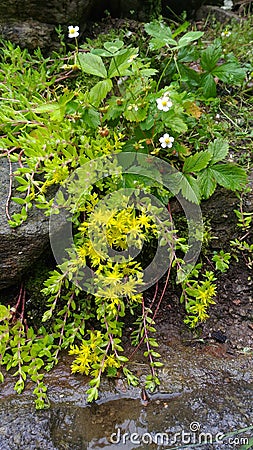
{"x":197,"y":162}
{"x":92,"y":64}
{"x":4,"y":313}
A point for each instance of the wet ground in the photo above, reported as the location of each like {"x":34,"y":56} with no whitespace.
{"x":203,"y":396}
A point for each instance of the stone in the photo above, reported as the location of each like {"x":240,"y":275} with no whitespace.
{"x":32,"y":23}
{"x":20,"y":247}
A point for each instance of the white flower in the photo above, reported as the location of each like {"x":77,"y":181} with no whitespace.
{"x":166,"y":141}
{"x":226,"y":33}
{"x":164,"y":103}
{"x":73,"y":31}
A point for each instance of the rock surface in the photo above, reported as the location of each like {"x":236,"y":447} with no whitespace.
{"x":19,"y":247}
{"x":199,"y":393}
{"x":31,"y":23}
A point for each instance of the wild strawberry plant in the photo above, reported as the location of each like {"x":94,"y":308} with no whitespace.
{"x":59,"y":115}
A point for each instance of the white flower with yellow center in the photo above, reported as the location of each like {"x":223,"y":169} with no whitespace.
{"x":226,"y":33}
{"x":166,"y":141}
{"x":164,"y":103}
{"x":73,"y":31}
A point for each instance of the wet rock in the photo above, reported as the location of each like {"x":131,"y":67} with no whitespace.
{"x":31,"y":23}
{"x":19,"y":247}
{"x":198,"y":394}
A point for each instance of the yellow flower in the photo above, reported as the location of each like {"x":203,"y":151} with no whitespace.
{"x":111,"y":362}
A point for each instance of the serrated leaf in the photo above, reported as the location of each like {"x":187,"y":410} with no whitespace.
{"x":161,"y":35}
{"x":148,"y":72}
{"x":230,"y":176}
{"x":177,"y":124}
{"x":189,"y":189}
{"x":218,"y":149}
{"x":230,"y":73}
{"x":197,"y":162}
{"x":207,"y":183}
{"x":188,"y":38}
{"x":91,"y":117}
{"x":92,"y":64}
{"x":210,"y":56}
{"x":208,"y":85}
{"x":100,"y":91}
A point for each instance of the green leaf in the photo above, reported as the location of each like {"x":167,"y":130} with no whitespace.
{"x":206,"y":182}
{"x":188,"y":38}
{"x":177,"y":124}
{"x":230,"y":73}
{"x":101,"y":52}
{"x":21,"y":180}
{"x":92,"y":394}
{"x":218,"y":149}
{"x":189,"y":189}
{"x":4,"y":313}
{"x":120,"y":63}
{"x":18,"y":200}
{"x":208,"y":85}
{"x":210,"y":57}
{"x":100,"y":91}
{"x":181,"y":29}
{"x":55,"y":110}
{"x":92,"y":64}
{"x":91,"y":117}
{"x":114,"y":46}
{"x":197,"y":162}
{"x":161,"y":35}
{"x":135,"y":115}
{"x":230,"y":176}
